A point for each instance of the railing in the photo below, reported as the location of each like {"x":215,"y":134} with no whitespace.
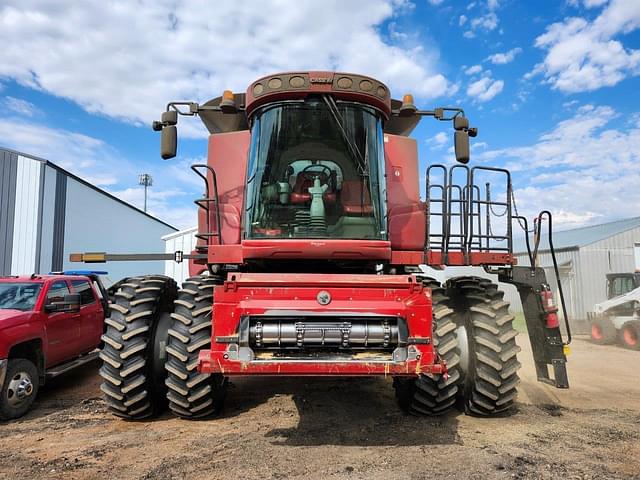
{"x":206,"y":203}
{"x":463,"y":218}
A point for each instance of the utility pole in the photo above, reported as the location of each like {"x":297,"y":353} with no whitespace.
{"x":147,"y":181}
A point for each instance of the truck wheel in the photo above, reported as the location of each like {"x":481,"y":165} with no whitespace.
{"x":20,"y":388}
{"x":434,"y":394}
{"x":488,"y":350}
{"x":603,"y":331}
{"x":630,"y":335}
{"x":134,"y":347}
{"x":191,"y":394}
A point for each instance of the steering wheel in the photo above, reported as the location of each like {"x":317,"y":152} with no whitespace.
{"x":310,"y":172}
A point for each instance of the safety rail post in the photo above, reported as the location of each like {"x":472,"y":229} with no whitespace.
{"x":207,"y":200}
{"x":443,"y":201}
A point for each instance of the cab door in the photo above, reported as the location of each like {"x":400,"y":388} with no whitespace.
{"x":63,"y":328}
{"x":92,"y":316}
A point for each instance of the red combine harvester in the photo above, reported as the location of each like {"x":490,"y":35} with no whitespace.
{"x":311,"y":231}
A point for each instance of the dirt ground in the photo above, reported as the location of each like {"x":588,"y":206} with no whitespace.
{"x":277,"y":428}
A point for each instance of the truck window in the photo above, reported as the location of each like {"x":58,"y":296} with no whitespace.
{"x":19,"y":296}
{"x":84,"y":289}
{"x":57,"y":291}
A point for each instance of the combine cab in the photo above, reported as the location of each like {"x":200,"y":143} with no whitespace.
{"x":311,"y":231}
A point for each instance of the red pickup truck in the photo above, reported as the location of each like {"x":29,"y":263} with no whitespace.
{"x":49,"y":324}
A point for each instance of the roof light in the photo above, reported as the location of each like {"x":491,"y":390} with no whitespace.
{"x":228,"y":102}
{"x":408,"y":108}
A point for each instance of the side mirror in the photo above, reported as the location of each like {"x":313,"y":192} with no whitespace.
{"x":460,"y":122}
{"x":169,"y":142}
{"x":461,"y":145}
{"x":72,"y":302}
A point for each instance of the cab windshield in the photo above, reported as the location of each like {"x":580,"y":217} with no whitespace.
{"x":315,"y":171}
{"x":19,"y":296}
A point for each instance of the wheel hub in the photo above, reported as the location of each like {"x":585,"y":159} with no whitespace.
{"x":463,"y":346}
{"x":20,"y":389}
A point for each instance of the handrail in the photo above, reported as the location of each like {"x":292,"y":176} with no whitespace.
{"x":207,"y":198}
{"x":552,"y":250}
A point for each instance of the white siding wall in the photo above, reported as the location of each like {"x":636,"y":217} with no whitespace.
{"x":25,"y":233}
{"x":184,"y":241}
{"x":48,"y":208}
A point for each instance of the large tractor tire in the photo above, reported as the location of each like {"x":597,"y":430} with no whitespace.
{"x":630,"y":335}
{"x":430,"y":394}
{"x":603,"y":331}
{"x":191,"y":394}
{"x":486,"y":346}
{"x":133,"y":355}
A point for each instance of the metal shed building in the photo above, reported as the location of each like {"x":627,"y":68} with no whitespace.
{"x":185,"y":241}
{"x":585,"y":255}
{"x":46,"y":213}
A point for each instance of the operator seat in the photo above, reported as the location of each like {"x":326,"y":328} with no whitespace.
{"x":355,"y":198}
{"x":300,"y":192}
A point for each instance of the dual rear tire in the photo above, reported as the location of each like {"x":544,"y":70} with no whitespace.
{"x":473,"y":332}
{"x":151,"y":345}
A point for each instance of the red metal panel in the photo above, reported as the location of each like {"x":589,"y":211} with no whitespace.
{"x":406,"y":214}
{"x":228,"y":156}
{"x":475,"y":258}
{"x":246,"y":294}
{"x":317,"y":249}
{"x":407,"y":258}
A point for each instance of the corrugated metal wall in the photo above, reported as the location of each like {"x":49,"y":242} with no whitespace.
{"x":584,"y":270}
{"x":26,"y":222}
{"x":570,"y":273}
{"x":184,"y":241}
{"x":48,"y":214}
{"x":612,"y":255}
{"x":8,"y":174}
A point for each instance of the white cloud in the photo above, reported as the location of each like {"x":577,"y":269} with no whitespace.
{"x":462,"y":20}
{"x":473,"y":70}
{"x":440,"y":140}
{"x":20,"y":106}
{"x":486,"y":22}
{"x":583,"y":170}
{"x":485,"y":89}
{"x":587,"y":3}
{"x":80,"y":154}
{"x":102,"y":165}
{"x":128,"y":60}
{"x":435,"y":2}
{"x":584,"y":56}
{"x":594,"y":3}
{"x":506,"y":57}
{"x":162,"y":204}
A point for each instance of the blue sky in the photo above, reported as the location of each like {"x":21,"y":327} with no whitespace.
{"x":551,"y":85}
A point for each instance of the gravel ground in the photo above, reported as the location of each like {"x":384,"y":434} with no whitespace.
{"x":276,"y":428}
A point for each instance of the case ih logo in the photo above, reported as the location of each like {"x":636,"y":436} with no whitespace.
{"x":320,"y":80}
{"x":323,"y":297}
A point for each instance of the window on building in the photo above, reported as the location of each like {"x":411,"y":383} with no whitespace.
{"x":84,"y":289}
